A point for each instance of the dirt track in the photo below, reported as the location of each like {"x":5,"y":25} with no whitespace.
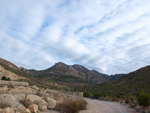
{"x":96,"y":106}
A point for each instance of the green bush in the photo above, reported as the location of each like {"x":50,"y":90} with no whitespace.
{"x":86,"y":94}
{"x":8,"y":79}
{"x":97,"y":95}
{"x":3,"y":78}
{"x":143,"y":99}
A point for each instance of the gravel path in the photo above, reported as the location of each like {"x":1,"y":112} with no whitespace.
{"x":96,"y":106}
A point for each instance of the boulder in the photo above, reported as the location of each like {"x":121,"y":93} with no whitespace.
{"x":33,"y":108}
{"x":27,"y":111}
{"x":9,"y":100}
{"x":35,"y":87}
{"x":22,"y":109}
{"x":35,"y":98}
{"x":3,"y":89}
{"x":51,"y":103}
{"x":44,"y":108}
{"x":8,"y":110}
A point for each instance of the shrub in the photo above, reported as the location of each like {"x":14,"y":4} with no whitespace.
{"x":8,"y":79}
{"x":71,"y":106}
{"x":96,"y":95}
{"x":25,"y":101}
{"x":127,"y":101}
{"x":143,"y":99}
{"x":86,"y":94}
{"x":3,"y":78}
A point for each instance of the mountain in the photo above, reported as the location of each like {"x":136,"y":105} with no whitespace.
{"x":72,"y":71}
{"x":128,"y":84}
{"x":115,"y":77}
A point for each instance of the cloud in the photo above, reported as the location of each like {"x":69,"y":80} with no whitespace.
{"x":109,"y":36}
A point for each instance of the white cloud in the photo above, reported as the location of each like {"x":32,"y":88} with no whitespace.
{"x":110,"y":36}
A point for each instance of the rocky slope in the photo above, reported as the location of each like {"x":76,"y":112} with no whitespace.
{"x":10,"y":70}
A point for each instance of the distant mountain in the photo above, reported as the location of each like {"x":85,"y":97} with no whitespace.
{"x":115,"y":77}
{"x":127,"y":84}
{"x":73,"y":70}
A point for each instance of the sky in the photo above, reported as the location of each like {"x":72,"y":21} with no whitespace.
{"x":110,"y":36}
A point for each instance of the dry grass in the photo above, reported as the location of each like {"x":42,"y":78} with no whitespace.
{"x":25,"y":101}
{"x":71,"y":105}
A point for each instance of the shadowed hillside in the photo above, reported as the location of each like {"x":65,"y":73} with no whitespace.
{"x":128,"y":84}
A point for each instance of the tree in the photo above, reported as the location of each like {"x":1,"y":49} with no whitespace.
{"x":3,"y":78}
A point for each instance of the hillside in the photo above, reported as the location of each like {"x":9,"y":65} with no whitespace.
{"x":128,"y":84}
{"x":12,"y":68}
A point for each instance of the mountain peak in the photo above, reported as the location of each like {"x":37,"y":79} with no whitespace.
{"x":59,"y":63}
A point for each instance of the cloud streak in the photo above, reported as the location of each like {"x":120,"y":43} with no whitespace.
{"x":109,"y":36}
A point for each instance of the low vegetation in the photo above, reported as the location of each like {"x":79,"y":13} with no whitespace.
{"x":71,"y":105}
{"x":5,"y":78}
{"x":143,"y":99}
{"x":25,"y":101}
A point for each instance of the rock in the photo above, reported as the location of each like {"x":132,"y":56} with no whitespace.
{"x":33,"y":108}
{"x":35,"y":98}
{"x":51,"y":103}
{"x":22,"y":109}
{"x":35,"y":87}
{"x":8,"y":100}
{"x":8,"y":110}
{"x":44,"y":108}
{"x":28,"y":111}
{"x":3,"y":89}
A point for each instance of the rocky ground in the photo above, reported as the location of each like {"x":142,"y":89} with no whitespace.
{"x":31,"y":98}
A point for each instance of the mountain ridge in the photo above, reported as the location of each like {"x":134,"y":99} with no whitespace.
{"x":75,"y":70}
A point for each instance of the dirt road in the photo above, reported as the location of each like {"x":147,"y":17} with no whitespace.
{"x":96,"y":106}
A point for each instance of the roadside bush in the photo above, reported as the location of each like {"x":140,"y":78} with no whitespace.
{"x":86,"y":94}
{"x":96,"y":95}
{"x":71,"y":106}
{"x":143,"y":99}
